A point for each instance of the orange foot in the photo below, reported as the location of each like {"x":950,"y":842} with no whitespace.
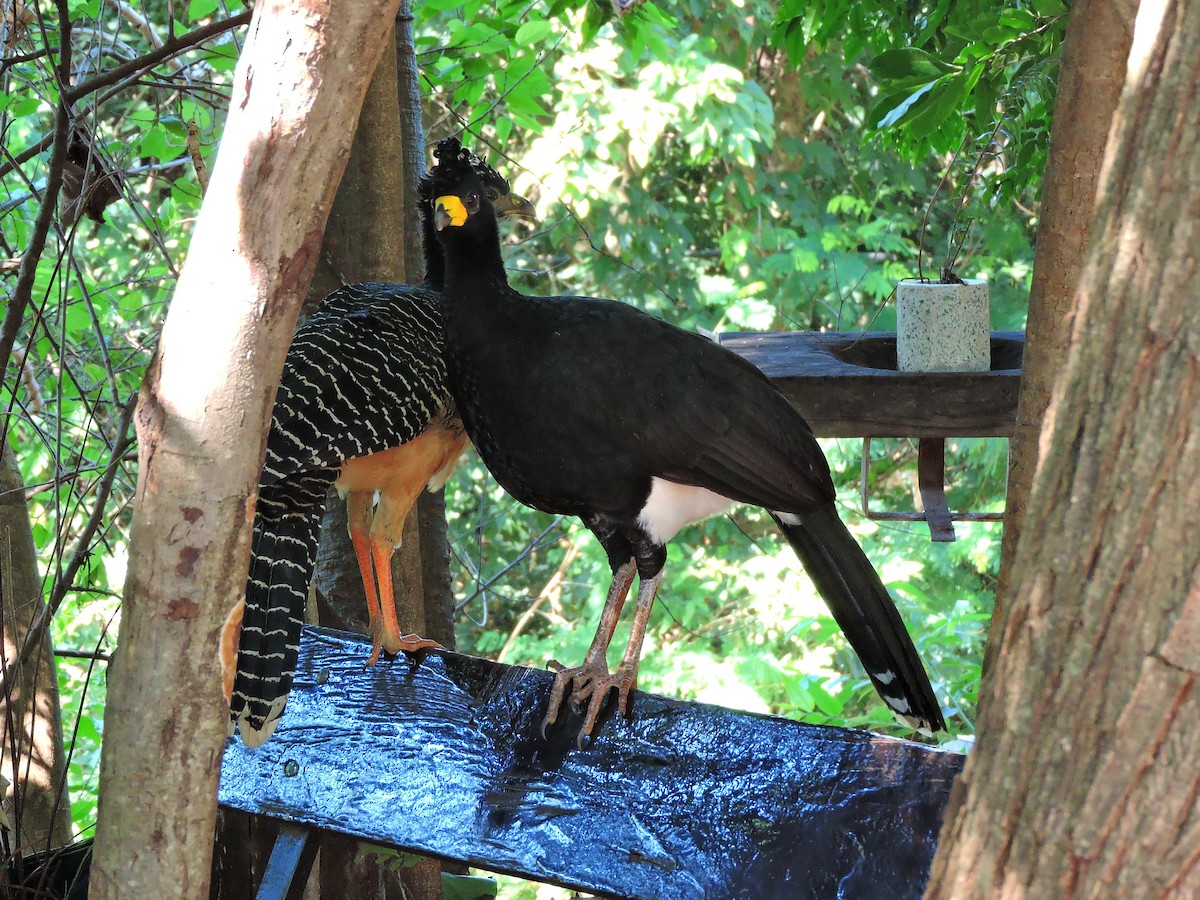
{"x":400,"y":643}
{"x":592,"y":682}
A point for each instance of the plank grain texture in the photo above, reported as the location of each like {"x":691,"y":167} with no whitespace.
{"x":444,"y":757}
{"x":846,"y":384}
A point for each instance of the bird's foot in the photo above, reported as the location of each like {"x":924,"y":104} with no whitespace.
{"x":592,"y":683}
{"x":397,"y":643}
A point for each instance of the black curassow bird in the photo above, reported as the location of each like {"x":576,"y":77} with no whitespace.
{"x":363,"y":405}
{"x":589,"y":407}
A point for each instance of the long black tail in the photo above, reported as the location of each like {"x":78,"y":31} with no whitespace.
{"x":282,"y":559}
{"x":864,"y":610}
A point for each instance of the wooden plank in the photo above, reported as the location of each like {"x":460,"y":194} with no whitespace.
{"x":445,"y":757}
{"x":846,"y":385}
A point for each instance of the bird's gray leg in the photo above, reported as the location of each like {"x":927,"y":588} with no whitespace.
{"x":595,"y":663}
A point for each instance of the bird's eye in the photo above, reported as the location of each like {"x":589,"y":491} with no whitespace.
{"x":491,"y":194}
{"x":472,"y":201}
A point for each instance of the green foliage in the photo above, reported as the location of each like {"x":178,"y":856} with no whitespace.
{"x":99,"y":294}
{"x":767,"y":167}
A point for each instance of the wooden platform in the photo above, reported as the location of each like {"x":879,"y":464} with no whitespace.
{"x":846,"y":385}
{"x":683,"y":801}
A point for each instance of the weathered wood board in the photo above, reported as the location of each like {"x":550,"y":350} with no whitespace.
{"x":846,"y":385}
{"x":683,"y":800}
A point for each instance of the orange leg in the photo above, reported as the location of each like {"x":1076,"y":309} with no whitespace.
{"x":399,"y":475}
{"x":358,"y":511}
{"x":393,"y":641}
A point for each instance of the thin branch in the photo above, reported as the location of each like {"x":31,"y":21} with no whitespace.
{"x":536,"y":544}
{"x":31,"y":56}
{"x":552,"y":589}
{"x":139,"y":22}
{"x":87,"y":682}
{"x":135,"y":68}
{"x":22,"y":293}
{"x":149,"y":60}
{"x":100,"y":655}
{"x":83,"y":544}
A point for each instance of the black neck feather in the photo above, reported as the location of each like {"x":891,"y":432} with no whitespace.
{"x":471,"y":253}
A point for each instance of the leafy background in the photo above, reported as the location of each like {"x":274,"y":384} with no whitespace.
{"x":758,"y":166}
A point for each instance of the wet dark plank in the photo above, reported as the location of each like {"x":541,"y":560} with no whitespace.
{"x":683,"y":800}
{"x":846,"y":385}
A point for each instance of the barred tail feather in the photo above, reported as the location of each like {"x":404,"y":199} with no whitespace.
{"x":864,"y":610}
{"x":282,"y":559}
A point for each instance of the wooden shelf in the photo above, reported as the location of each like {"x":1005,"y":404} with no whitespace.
{"x":846,"y":385}
{"x":445,"y":757}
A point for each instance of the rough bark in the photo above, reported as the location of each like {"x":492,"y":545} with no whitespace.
{"x":31,"y":735}
{"x":1085,"y":779}
{"x":1090,"y":78}
{"x":431,"y":508}
{"x":201,"y":422}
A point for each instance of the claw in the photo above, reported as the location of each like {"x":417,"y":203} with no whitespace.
{"x":592,"y":684}
{"x":405,"y":643}
{"x":412,"y":643}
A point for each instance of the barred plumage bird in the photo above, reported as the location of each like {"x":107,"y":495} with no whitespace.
{"x":362,"y":405}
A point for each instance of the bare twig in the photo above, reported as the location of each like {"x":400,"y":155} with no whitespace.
{"x":552,"y":590}
{"x":22,"y":293}
{"x":31,"y":56}
{"x":86,"y":685}
{"x":138,"y":21}
{"x":149,"y":60}
{"x":100,"y":655}
{"x":130,"y":71}
{"x":83,"y":544}
{"x":21,"y":358}
{"x":536,"y":544}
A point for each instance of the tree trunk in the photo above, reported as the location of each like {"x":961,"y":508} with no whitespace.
{"x":431,"y":508}
{"x":201,"y":422}
{"x":1086,"y":774}
{"x":31,"y":735}
{"x":368,"y":224}
{"x":1090,"y":78}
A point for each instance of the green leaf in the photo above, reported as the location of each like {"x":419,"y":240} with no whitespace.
{"x":201,"y":9}
{"x":888,"y":111}
{"x":909,"y":64}
{"x":468,"y":887}
{"x":933,"y":20}
{"x":1049,"y":8}
{"x":222,"y":57}
{"x":1021,"y":19}
{"x":24,"y":106}
{"x":594,"y":16}
{"x":78,"y":318}
{"x":532,"y":32}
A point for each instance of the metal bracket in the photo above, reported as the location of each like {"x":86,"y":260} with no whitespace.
{"x":290,"y":863}
{"x":931,"y":482}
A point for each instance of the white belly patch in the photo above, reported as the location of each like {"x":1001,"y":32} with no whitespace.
{"x":670,"y":506}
